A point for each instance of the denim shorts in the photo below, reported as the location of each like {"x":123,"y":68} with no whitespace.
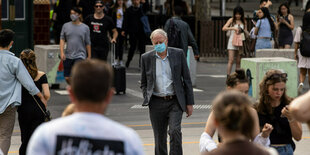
{"x":262,"y":44}
{"x":284,"y":150}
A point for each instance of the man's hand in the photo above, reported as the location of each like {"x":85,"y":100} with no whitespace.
{"x":62,"y":56}
{"x":113,"y":41}
{"x":197,"y":57}
{"x":267,"y":130}
{"x":189,"y":110}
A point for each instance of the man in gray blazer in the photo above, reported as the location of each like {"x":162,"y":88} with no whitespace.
{"x":167,"y":90}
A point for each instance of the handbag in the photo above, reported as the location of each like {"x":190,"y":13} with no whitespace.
{"x":237,"y":40}
{"x":228,"y":33}
{"x":253,"y":40}
{"x":47,"y":114}
{"x":145,"y":23}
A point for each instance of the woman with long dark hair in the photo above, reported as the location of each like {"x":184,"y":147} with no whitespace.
{"x":234,"y":26}
{"x":30,"y":115}
{"x":285,"y":23}
{"x":272,"y":108}
{"x":264,"y":29}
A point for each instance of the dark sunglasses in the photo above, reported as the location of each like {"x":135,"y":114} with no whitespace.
{"x":98,"y":6}
{"x":276,"y":76}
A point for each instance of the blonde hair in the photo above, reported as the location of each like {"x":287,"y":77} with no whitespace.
{"x":28,"y":58}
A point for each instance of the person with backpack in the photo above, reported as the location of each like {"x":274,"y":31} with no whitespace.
{"x":302,"y":42}
{"x":180,"y":34}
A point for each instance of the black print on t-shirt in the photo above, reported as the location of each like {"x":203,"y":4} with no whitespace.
{"x":66,"y":145}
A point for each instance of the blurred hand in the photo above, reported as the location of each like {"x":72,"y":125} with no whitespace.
{"x":62,"y":56}
{"x":267,"y":129}
{"x":189,"y":110}
{"x":113,"y":40}
{"x":123,"y":33}
{"x":197,"y":57}
{"x":296,"y":57}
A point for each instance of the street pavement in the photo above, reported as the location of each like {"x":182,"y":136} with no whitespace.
{"x":126,"y":109}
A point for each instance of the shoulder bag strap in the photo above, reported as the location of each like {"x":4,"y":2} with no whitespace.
{"x":39,"y":105}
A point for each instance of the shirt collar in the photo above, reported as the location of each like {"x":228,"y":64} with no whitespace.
{"x":6,"y":52}
{"x":160,"y":57}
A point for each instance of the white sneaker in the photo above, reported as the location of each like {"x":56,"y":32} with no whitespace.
{"x":300,"y":88}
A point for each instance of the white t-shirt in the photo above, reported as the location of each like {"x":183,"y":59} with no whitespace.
{"x":84,"y":133}
{"x":119,"y":18}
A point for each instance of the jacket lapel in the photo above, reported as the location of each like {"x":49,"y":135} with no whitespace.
{"x":171,"y":61}
{"x":153,"y":61}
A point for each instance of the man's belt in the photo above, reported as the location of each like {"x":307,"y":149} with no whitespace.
{"x":167,"y":98}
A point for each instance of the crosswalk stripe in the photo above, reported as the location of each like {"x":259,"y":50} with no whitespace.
{"x":198,"y":107}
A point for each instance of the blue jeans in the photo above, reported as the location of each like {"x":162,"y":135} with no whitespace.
{"x":284,"y":150}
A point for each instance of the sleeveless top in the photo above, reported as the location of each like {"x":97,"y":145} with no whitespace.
{"x":281,"y":133}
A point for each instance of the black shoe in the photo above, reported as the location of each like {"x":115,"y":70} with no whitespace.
{"x":127,"y":64}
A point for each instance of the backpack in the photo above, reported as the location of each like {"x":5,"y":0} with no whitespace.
{"x":305,"y":43}
{"x":174,"y":35}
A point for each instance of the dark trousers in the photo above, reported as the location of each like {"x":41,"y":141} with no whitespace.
{"x":164,"y":114}
{"x":119,"y":47}
{"x":29,"y":118}
{"x":134,"y":39}
{"x":100,"y":53}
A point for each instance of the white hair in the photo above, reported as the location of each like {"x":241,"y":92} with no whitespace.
{"x":158,"y":31}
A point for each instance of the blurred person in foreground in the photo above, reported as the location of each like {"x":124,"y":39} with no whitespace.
{"x":87,"y":129}
{"x":235,"y":81}
{"x":300,"y":108}
{"x":233,"y":118}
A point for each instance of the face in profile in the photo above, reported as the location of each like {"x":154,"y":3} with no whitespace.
{"x":276,"y":91}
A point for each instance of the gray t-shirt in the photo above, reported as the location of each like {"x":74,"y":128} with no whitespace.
{"x":77,"y":37}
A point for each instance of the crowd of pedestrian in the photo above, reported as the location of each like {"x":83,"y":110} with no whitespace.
{"x":266,"y":126}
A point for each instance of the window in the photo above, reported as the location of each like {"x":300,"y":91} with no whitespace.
{"x":5,"y":10}
{"x":19,"y":9}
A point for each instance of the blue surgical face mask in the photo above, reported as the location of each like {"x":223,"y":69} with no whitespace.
{"x":160,"y":48}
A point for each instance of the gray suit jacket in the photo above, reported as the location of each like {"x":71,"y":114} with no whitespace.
{"x":180,"y":74}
